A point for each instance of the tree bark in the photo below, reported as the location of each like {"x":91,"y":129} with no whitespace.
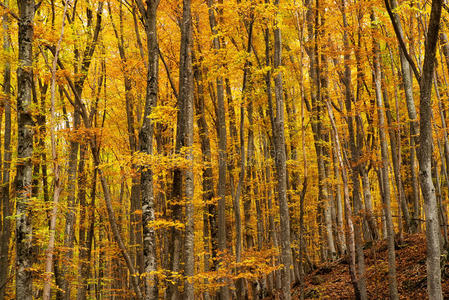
{"x":222,"y":146}
{"x":281,"y":170}
{"x":6,"y":203}
{"x":186,"y":113}
{"x":386,"y":196}
{"x":24,"y":229}
{"x":146,"y":146}
{"x":209,"y":215}
{"x":74,"y":149}
{"x":354,"y":160}
{"x":350,"y":240}
{"x":56,"y":170}
{"x":425,"y":156}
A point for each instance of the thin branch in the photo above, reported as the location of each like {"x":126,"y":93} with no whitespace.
{"x":401,"y":41}
{"x":172,"y":84}
{"x":9,"y":11}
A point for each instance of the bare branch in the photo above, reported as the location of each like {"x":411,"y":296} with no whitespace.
{"x":9,"y":11}
{"x":401,"y":41}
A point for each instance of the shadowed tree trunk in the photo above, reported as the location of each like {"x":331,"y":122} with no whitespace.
{"x":354,"y":161}
{"x":186,"y":132}
{"x":350,"y":240}
{"x":24,"y":230}
{"x":407,"y":82}
{"x":425,"y":141}
{"x":146,"y":146}
{"x":386,"y":195}
{"x":222,"y":145}
{"x":281,"y":170}
{"x":74,"y":149}
{"x":6,"y":203}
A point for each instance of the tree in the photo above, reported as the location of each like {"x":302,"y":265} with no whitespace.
{"x":185,"y":133}
{"x":386,"y":195}
{"x":6,"y":202}
{"x":24,"y":229}
{"x":146,"y":146}
{"x":426,"y":144}
{"x":281,"y":172}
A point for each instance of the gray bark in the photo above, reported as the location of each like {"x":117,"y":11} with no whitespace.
{"x":407,"y":82}
{"x":281,"y":169}
{"x":186,"y":113}
{"x":56,"y":169}
{"x":24,"y":230}
{"x":384,"y":170}
{"x":209,"y":214}
{"x":425,"y":156}
{"x":146,"y":146}
{"x":6,"y":204}
{"x":350,"y":240}
{"x":426,"y":144}
{"x":222,"y":145}
{"x":354,"y":158}
{"x":338,"y":204}
{"x":74,"y":148}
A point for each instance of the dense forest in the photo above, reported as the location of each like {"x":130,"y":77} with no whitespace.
{"x":214,"y":149}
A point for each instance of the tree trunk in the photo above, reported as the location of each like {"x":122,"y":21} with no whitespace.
{"x":386,"y":196}
{"x":350,"y":241}
{"x":354,"y":159}
{"x":186,"y":132}
{"x":74,"y":148}
{"x":222,"y":145}
{"x":425,"y":156}
{"x":24,"y":230}
{"x":146,"y":146}
{"x":209,"y":215}
{"x":56,"y":170}
{"x":407,"y":82}
{"x":425,"y":143}
{"x":281,"y":170}
{"x":6,"y":204}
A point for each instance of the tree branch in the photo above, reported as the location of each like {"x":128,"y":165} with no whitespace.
{"x":172,"y":84}
{"x":9,"y":11}
{"x":401,"y":41}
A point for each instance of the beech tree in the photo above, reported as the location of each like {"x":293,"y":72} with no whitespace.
{"x":24,"y":229}
{"x":426,"y":143}
{"x":222,"y":149}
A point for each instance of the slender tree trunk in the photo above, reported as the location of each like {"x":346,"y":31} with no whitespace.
{"x":338,"y":200}
{"x":209,"y":215}
{"x":24,"y":229}
{"x":186,"y":112}
{"x":74,"y":149}
{"x":56,"y":170}
{"x":354,"y":158}
{"x":350,"y":240}
{"x":6,"y":203}
{"x":222,"y":145}
{"x":268,"y":153}
{"x":324,"y":136}
{"x":407,"y":82}
{"x":384,"y":170}
{"x":281,"y":170}
{"x":146,"y":146}
{"x":425,"y":155}
{"x":425,"y":143}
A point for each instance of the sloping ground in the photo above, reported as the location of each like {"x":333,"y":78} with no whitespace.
{"x":332,"y":281}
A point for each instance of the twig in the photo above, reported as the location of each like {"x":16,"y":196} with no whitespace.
{"x":9,"y":11}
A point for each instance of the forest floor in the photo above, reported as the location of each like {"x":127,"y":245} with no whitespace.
{"x":332,"y":280}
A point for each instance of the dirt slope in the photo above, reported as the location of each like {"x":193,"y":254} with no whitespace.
{"x":332,"y":281}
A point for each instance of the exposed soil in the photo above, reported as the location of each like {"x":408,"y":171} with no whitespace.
{"x":332,"y":280}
